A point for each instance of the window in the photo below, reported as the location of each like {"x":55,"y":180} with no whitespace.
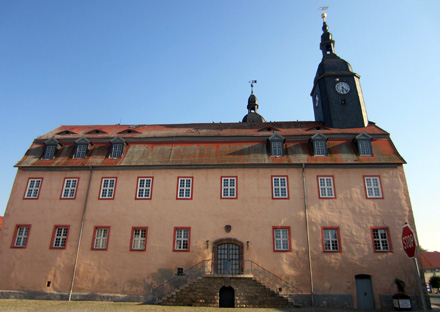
{"x":326,"y":187}
{"x":100,"y":237}
{"x":144,"y":188}
{"x":184,"y":188}
{"x":117,"y":147}
{"x":319,"y":144}
{"x":59,"y":236}
{"x":364,"y":144}
{"x":139,"y":238}
{"x":373,"y":187}
{"x":279,"y":188}
{"x":381,"y":240}
{"x":33,"y":188}
{"x":81,"y":151}
{"x":281,"y":238}
{"x":51,"y":148}
{"x":21,"y":236}
{"x":69,"y":188}
{"x":276,"y":145}
{"x":229,"y":187}
{"x":330,"y":239}
{"x":108,"y":186}
{"x":181,"y":239}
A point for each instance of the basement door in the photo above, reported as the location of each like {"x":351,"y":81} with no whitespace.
{"x":228,"y":259}
{"x":364,"y":292}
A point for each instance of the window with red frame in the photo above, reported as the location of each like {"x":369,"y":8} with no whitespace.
{"x":184,"y":188}
{"x":373,"y":187}
{"x":281,"y":238}
{"x":59,"y":236}
{"x":21,"y":236}
{"x":144,"y":188}
{"x":108,"y":186}
{"x":381,"y":240}
{"x":331,"y":241}
{"x":139,"y":238}
{"x":181,"y":239}
{"x":279,"y":188}
{"x":229,"y":187}
{"x":33,"y":188}
{"x":100,"y":238}
{"x":326,"y":187}
{"x":69,"y":188}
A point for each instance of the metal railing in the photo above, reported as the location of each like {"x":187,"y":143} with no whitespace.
{"x":203,"y":268}
{"x":272,"y":281}
{"x":179,"y":280}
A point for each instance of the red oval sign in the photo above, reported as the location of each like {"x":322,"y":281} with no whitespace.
{"x":408,"y":241}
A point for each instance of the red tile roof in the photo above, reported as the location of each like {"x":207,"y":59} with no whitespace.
{"x":210,"y":144}
{"x":1,"y":222}
{"x":431,"y":260}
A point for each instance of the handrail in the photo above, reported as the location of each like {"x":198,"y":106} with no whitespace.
{"x":272,"y":281}
{"x":173,"y":284}
{"x":203,"y":268}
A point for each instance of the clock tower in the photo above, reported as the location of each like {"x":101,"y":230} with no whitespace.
{"x":337,"y":95}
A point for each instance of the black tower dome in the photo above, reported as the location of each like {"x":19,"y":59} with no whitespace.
{"x":337,"y":95}
{"x":252,"y":115}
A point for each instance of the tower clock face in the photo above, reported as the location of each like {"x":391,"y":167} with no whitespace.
{"x":342,"y":87}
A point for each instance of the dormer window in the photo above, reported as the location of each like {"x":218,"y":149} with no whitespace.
{"x":363,"y":141}
{"x":319,"y":142}
{"x":51,"y":148}
{"x":118,"y":144}
{"x":82,"y":147}
{"x":276,"y":142}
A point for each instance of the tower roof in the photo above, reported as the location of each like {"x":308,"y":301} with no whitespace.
{"x":252,"y":106}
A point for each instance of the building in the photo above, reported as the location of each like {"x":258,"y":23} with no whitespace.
{"x":431,"y":265}
{"x":313,"y":209}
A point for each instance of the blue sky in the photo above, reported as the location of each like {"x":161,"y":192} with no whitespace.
{"x":187,"y":61}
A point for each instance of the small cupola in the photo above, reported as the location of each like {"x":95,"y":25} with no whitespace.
{"x":327,"y":45}
{"x":252,"y":107}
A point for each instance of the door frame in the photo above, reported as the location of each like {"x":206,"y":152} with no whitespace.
{"x":227,"y":241}
{"x":370,"y":284}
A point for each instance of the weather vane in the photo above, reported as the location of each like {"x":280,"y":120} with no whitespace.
{"x":323,"y":15}
{"x":252,"y":85}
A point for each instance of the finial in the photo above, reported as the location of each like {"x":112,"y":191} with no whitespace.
{"x":323,"y":15}
{"x":252,"y":85}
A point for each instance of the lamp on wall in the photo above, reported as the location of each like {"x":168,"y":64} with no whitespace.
{"x":207,"y":244}
{"x":248,"y":243}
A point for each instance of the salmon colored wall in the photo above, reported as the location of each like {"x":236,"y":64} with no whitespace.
{"x":252,"y":216}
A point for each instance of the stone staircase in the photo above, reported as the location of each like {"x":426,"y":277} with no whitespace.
{"x":249,"y":293}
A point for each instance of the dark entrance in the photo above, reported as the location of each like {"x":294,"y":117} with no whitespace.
{"x":228,"y":259}
{"x":227,"y":297}
{"x":364,"y":292}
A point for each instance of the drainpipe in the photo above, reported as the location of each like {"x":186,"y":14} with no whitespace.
{"x":80,"y":234}
{"x":307,"y":231}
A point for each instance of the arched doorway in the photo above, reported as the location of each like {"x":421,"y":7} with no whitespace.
{"x":228,"y":256}
{"x":364,"y":292}
{"x":227,"y":297}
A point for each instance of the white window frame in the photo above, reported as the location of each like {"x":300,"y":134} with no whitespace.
{"x":381,"y":239}
{"x":320,"y":148}
{"x":277,"y":148}
{"x":184,"y":190}
{"x":281,"y":239}
{"x":21,"y":236}
{"x":139,"y":238}
{"x":229,"y":187}
{"x":326,"y":187}
{"x":60,"y":237}
{"x":100,"y":241}
{"x":117,"y":150}
{"x":279,"y":187}
{"x":50,"y":151}
{"x":108,"y":186}
{"x":331,"y":239}
{"x":181,"y":239}
{"x":33,"y":188}
{"x":144,"y":188}
{"x":373,"y":187}
{"x":69,"y":188}
{"x":364,"y":148}
{"x":81,"y":151}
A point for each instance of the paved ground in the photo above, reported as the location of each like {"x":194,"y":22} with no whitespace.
{"x":52,"y":305}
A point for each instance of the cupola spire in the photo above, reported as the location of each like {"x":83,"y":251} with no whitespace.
{"x":252,"y":116}
{"x":327,"y":45}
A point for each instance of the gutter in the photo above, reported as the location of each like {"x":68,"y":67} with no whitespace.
{"x":307,"y":231}
{"x":80,"y":234}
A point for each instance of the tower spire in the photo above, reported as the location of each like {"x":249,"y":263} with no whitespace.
{"x":327,"y":45}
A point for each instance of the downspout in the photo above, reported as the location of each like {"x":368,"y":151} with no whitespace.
{"x":307,"y":231}
{"x":80,"y":234}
